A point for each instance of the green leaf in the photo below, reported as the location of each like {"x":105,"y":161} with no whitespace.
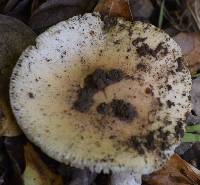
{"x":190,"y":137}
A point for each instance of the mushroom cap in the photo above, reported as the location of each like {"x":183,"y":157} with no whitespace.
{"x":155,"y":82}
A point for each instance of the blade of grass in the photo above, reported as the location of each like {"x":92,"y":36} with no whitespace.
{"x":190,"y":137}
{"x":194,"y":128}
{"x":178,"y":2}
{"x":195,"y":75}
{"x":161,"y":16}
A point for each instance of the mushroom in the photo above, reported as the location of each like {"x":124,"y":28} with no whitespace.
{"x":106,"y":94}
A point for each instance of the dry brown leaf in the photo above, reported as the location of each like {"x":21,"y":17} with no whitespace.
{"x":194,"y":8}
{"x":119,"y":8}
{"x":176,"y":172}
{"x":8,"y":126}
{"x":54,"y":11}
{"x":2,"y":4}
{"x":190,"y":45}
{"x":19,"y":9}
{"x":35,"y":4}
{"x":12,"y":162}
{"x":37,"y":172}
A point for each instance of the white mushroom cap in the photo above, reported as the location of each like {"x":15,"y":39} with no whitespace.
{"x":155,"y":82}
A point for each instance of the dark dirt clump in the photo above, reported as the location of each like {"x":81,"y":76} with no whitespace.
{"x":118,"y":108}
{"x":136,"y":143}
{"x":30,"y":95}
{"x":144,"y":49}
{"x":180,"y":66}
{"x":109,"y":22}
{"x":103,"y":108}
{"x":138,"y":40}
{"x":123,"y":110}
{"x":97,"y":81}
{"x":179,"y":130}
{"x":169,"y":87}
{"x":142,"y":67}
{"x":170,"y":103}
{"x":150,"y":141}
{"x":85,"y":100}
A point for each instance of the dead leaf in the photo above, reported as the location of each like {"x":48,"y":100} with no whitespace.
{"x":190,"y":45}
{"x":35,"y":4}
{"x":176,"y":172}
{"x":194,"y":8}
{"x":2,"y":4}
{"x":37,"y":172}
{"x":19,"y":9}
{"x":12,"y":162}
{"x":142,"y":9}
{"x":192,"y":155}
{"x":54,"y":11}
{"x":14,"y":38}
{"x":8,"y":126}
{"x":10,"y":5}
{"x":15,"y":149}
{"x":118,"y":8}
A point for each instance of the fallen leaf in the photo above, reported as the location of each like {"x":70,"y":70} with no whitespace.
{"x":142,"y":9}
{"x":54,"y":11}
{"x":19,"y":9}
{"x":35,"y":4}
{"x":192,"y":155}
{"x":37,"y":172}
{"x":190,"y":45}
{"x":118,"y":8}
{"x":10,"y":5}
{"x":183,"y":147}
{"x":14,"y":38}
{"x":176,"y":172}
{"x":194,"y":8}
{"x":8,"y":126}
{"x":12,"y":161}
{"x":2,"y":4}
{"x":15,"y":149}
